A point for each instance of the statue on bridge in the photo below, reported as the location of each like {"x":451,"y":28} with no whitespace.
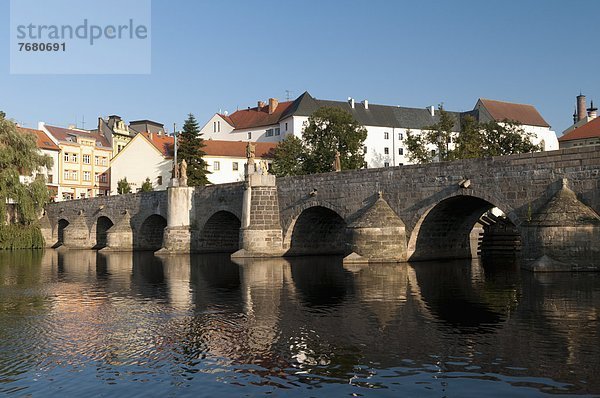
{"x":250,"y":154}
{"x":337,"y":163}
{"x":183,"y":174}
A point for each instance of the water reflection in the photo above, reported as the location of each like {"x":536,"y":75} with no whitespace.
{"x":207,"y":324}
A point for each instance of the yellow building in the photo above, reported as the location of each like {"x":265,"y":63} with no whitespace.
{"x":84,"y":162}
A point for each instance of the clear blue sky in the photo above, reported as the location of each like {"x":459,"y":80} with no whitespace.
{"x":211,"y":55}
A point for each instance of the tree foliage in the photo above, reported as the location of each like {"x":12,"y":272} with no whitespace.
{"x":475,"y":140}
{"x":147,"y":186}
{"x":327,"y":131}
{"x":19,"y":155}
{"x":123,"y":186}
{"x":189,"y":147}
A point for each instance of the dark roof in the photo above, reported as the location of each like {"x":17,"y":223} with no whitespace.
{"x":146,"y":121}
{"x":42,"y":139}
{"x":589,"y":130}
{"x":501,"y":111}
{"x":70,"y":136}
{"x":375,"y":115}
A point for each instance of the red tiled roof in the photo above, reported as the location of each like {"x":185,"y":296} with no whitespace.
{"x":522,"y":113}
{"x":66,"y":135}
{"x":255,"y":117}
{"x":237,"y":148}
{"x":589,"y":130}
{"x":42,"y":139}
{"x":164,"y":143}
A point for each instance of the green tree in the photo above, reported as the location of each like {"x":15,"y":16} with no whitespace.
{"x":506,"y":138}
{"x":289,"y":157}
{"x":469,"y":143}
{"x":123,"y":186}
{"x":416,"y":147}
{"x":147,"y":186}
{"x":19,"y":155}
{"x":330,"y":130}
{"x":189,"y":147}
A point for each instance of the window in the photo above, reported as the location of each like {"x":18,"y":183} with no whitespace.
{"x":87,"y":176}
{"x":119,"y":148}
{"x":235,"y":166}
{"x":386,"y":151}
{"x":269,"y":133}
{"x":97,"y":177}
{"x":386,"y":164}
{"x":433,"y":152}
{"x":104,"y":160}
{"x":218,"y":126}
{"x":74,"y":175}
{"x":400,"y":136}
{"x":365,"y":149}
{"x":97,"y":160}
{"x":50,"y":178}
{"x":216,"y":165}
{"x":400,"y":151}
{"x":67,"y":175}
{"x":214,"y":127}
{"x":249,"y":135}
{"x":159,"y":180}
{"x":102,"y":177}
{"x":74,"y":157}
{"x":277,"y":131}
{"x":386,"y":136}
{"x":66,"y":157}
{"x":86,"y":159}
{"x":286,"y":127}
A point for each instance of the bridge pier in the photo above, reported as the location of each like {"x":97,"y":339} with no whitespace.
{"x":120,"y":236}
{"x":378,"y":235}
{"x":49,"y":235}
{"x":177,"y":237}
{"x":77,"y":234}
{"x":260,"y":234}
{"x":564,"y":235}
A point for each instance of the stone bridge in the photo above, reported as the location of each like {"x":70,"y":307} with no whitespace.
{"x":550,"y":201}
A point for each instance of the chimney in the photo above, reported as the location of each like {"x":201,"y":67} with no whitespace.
{"x":366,"y":103}
{"x":432,"y":110}
{"x":261,"y":104}
{"x":351,"y":101}
{"x":591,"y":111}
{"x":272,"y":105}
{"x":581,"y":107}
{"x":151,"y":135}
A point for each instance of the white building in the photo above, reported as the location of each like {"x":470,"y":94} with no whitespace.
{"x":147,"y":155}
{"x":386,"y":125}
{"x":46,"y":146}
{"x":226,"y":160}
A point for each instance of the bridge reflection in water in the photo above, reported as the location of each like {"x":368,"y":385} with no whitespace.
{"x":295,"y":323}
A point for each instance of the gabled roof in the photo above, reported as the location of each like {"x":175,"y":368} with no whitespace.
{"x":238,"y":148}
{"x":589,"y":130}
{"x":42,"y":139}
{"x":164,"y":143}
{"x":501,"y":111}
{"x":256,"y":117}
{"x":70,"y":136}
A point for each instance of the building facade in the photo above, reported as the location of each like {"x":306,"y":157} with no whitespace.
{"x":226,"y":160}
{"x":48,"y":147}
{"x":83,"y":164}
{"x":387,"y":126}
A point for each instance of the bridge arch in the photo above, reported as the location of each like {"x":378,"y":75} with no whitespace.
{"x":316,"y":229}
{"x":149,"y":235}
{"x":220,"y":233}
{"x":444,"y":229}
{"x":101,"y":227}
{"x":60,"y":232}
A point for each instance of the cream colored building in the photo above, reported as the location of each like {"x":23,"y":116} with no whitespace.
{"x":84,"y":162}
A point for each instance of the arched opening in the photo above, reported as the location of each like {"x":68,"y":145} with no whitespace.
{"x":62,"y":224}
{"x":455,"y":228}
{"x":220,"y":233}
{"x":103,"y":224}
{"x":150,"y":234}
{"x":318,"y":230}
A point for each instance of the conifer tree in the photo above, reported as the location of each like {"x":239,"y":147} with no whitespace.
{"x":189,"y":147}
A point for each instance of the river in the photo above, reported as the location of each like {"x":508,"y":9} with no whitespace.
{"x":78,"y":323}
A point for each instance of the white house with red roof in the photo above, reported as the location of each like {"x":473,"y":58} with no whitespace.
{"x":386,"y":125}
{"x":46,"y":146}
